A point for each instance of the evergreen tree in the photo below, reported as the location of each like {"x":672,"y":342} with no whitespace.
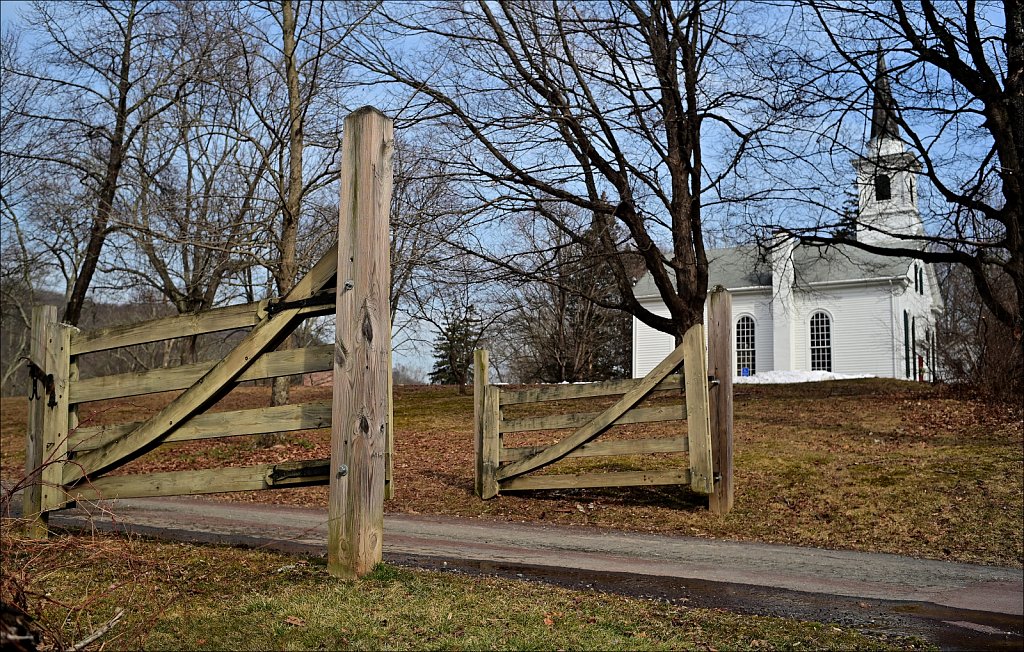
{"x":453,"y":350}
{"x":847,"y":225}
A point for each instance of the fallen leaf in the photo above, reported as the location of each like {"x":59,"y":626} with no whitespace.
{"x":295,"y":621}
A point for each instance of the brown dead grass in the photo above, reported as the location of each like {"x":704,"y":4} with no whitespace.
{"x":870,"y":465}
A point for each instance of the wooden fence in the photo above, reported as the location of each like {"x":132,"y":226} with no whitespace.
{"x":707,"y":410}
{"x":68,"y":461}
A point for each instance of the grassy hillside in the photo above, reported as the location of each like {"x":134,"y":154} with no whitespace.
{"x":871,"y":465}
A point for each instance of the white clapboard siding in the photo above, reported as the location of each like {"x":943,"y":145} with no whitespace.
{"x":862,"y":328}
{"x":867,"y":328}
{"x":650,"y":346}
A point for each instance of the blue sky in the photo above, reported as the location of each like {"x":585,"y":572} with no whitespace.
{"x":10,"y":10}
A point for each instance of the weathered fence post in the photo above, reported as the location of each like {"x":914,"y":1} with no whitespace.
{"x":46,"y":447}
{"x":485,"y":427}
{"x":56,"y":423}
{"x":32,"y":497}
{"x":720,"y":365}
{"x":362,"y":348}
{"x":698,"y":425}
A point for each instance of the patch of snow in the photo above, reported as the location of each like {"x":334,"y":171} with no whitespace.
{"x":780,"y":377}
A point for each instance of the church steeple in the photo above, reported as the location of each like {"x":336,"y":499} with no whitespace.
{"x":883,"y":110}
{"x":886,"y":173}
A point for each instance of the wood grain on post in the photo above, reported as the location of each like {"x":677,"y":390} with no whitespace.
{"x":362,"y":346}
{"x":485,"y":427}
{"x":56,"y":419}
{"x":698,"y":422}
{"x":32,"y":497}
{"x":720,"y":365}
{"x":492,"y":442}
{"x":480,"y":372}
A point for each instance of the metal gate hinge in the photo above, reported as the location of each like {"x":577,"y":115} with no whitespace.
{"x":35,"y":372}
{"x":325,"y":298}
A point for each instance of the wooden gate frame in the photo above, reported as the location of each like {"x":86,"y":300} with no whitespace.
{"x":66,"y":463}
{"x":708,"y":414}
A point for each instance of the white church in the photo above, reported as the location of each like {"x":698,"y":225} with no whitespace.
{"x":837,"y":308}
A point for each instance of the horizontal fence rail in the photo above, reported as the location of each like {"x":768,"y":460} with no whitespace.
{"x":582,"y":390}
{"x":494,"y":459}
{"x":165,"y":328}
{"x":214,"y":425}
{"x":206,"y":481}
{"x":560,"y":421}
{"x":604,"y":448}
{"x":598,"y":480}
{"x":268,"y":365}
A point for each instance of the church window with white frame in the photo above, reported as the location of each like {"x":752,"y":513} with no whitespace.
{"x":745,"y":347}
{"x":821,"y":342}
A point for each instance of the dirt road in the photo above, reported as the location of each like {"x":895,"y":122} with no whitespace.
{"x":957,"y":606}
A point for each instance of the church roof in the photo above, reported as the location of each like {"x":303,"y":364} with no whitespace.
{"x":747,"y":266}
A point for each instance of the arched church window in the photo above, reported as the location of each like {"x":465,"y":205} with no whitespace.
{"x":821,"y":342}
{"x":745,"y":347}
{"x":883,"y":187}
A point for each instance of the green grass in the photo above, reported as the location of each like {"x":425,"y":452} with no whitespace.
{"x":188,"y":597}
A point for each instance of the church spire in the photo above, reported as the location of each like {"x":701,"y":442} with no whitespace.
{"x":883,"y":111}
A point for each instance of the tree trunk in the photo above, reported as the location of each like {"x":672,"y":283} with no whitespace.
{"x":108,"y":188}
{"x":286,"y":270}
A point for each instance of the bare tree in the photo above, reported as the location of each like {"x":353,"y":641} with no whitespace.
{"x":18,"y":263}
{"x":953,"y":74}
{"x":105,"y":69}
{"x":556,"y":331}
{"x":294,"y":91}
{"x":602,"y":106}
{"x":425,"y":210}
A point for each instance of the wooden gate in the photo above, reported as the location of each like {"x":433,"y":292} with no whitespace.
{"x":708,"y":440}
{"x":67,"y":461}
{"x":76,"y":457}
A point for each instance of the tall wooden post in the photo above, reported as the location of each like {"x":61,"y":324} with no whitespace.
{"x":362,"y":348}
{"x":698,"y":423}
{"x":32,"y":497}
{"x":46,"y":448}
{"x":57,"y":419}
{"x":485,"y":427}
{"x":720,"y":365}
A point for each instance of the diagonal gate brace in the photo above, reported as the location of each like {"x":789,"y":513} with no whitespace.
{"x":599,"y":423}
{"x":214,"y":384}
